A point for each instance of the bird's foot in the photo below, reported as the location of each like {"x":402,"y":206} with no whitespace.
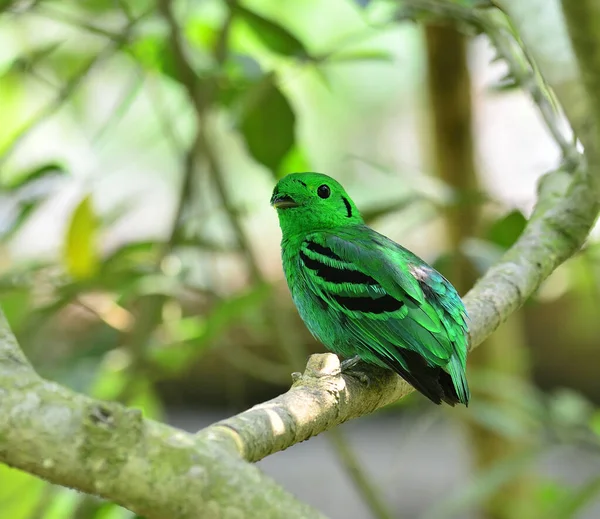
{"x":348,"y":364}
{"x":348,"y":367}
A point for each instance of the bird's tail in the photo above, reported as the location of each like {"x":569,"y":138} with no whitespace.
{"x":459,"y":392}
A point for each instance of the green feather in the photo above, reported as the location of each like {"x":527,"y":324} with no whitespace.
{"x":362,"y":294}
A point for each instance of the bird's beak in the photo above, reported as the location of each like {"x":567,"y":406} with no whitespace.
{"x":283,"y":202}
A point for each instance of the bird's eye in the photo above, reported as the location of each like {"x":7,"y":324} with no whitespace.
{"x":324,"y":191}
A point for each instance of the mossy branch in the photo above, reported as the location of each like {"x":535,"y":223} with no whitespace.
{"x":108,"y":450}
{"x":541,"y":27}
{"x":583,"y":22}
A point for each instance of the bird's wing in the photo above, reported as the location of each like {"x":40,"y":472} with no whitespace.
{"x":387,"y":299}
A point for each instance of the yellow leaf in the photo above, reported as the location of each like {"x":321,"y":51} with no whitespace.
{"x":81,"y":252}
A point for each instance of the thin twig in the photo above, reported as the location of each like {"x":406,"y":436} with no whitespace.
{"x":126,"y":10}
{"x":163,"y":115}
{"x":127,"y":98}
{"x":217,"y":174}
{"x":200,"y":95}
{"x":257,"y":366}
{"x":523,"y":70}
{"x":520,"y":64}
{"x":151,"y":306}
{"x":49,"y":11}
{"x":70,"y":86}
{"x":188,"y":77}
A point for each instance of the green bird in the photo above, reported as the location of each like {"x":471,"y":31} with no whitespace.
{"x":364,"y":296}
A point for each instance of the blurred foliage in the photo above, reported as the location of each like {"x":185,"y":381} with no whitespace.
{"x":172,"y":294}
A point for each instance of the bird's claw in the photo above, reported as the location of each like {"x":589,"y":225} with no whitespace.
{"x":348,"y":364}
{"x":348,"y":367}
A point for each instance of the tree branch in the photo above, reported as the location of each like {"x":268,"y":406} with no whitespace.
{"x":322,"y":398}
{"x":583,"y":21}
{"x":541,"y":27}
{"x":106,"y":449}
{"x":527,"y":77}
{"x":550,"y":46}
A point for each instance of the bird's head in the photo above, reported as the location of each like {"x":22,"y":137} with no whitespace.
{"x":308,"y":202}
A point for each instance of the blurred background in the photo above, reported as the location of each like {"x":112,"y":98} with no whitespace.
{"x":139,"y":257}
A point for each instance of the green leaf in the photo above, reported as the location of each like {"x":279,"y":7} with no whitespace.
{"x":571,"y":505}
{"x":19,"y":493}
{"x":360,"y":55}
{"x":13,"y":107}
{"x":272,"y":35}
{"x":113,"y":511}
{"x":111,"y":378}
{"x":232,"y":310}
{"x":25,"y":190}
{"x":475,"y":3}
{"x":174,"y":358}
{"x":62,"y":504}
{"x":130,"y":256}
{"x":243,"y":74}
{"x":197,"y":334}
{"x":186,"y":328}
{"x":201,"y":32}
{"x":508,"y":82}
{"x":155,"y":53}
{"x":295,"y":160}
{"x":146,"y":400}
{"x":81,"y":253}
{"x":268,"y":124}
{"x":16,"y":305}
{"x":595,"y":422}
{"x":506,"y":230}
{"x":20,"y":179}
{"x":548,"y":494}
{"x":243,"y":70}
{"x":24,"y":211}
{"x":28,"y":61}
